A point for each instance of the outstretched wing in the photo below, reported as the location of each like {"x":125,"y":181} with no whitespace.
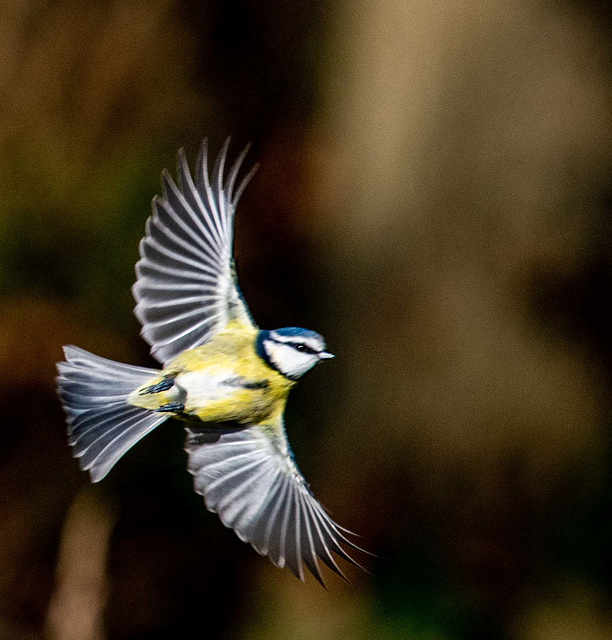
{"x":186,"y":289}
{"x":249,"y":478}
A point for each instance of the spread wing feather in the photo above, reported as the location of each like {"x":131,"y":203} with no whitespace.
{"x":248,"y":477}
{"x":185,"y":289}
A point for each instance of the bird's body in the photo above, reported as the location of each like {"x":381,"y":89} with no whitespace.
{"x":225,"y":378}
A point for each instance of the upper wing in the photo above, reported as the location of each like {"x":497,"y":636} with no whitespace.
{"x":186,"y":289}
{"x":249,"y":478}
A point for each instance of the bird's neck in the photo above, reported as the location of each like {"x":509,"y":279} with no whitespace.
{"x":261,"y":349}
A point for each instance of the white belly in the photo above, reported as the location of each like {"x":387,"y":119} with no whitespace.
{"x":202,"y":387}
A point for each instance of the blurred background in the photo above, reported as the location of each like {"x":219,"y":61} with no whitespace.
{"x":434,"y":197}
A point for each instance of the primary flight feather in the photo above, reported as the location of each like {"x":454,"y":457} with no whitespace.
{"x":227,"y":380}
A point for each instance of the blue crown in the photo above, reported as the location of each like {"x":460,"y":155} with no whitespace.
{"x":294,"y":332}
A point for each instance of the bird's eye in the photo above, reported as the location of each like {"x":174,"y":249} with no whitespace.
{"x":303,"y":348}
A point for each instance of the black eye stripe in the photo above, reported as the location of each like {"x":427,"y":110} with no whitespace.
{"x":300,"y":346}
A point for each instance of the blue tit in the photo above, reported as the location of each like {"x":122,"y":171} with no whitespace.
{"x":222,"y":376}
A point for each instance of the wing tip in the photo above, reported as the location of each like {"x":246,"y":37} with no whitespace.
{"x":167,"y":183}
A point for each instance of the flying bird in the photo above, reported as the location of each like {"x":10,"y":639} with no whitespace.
{"x":223,"y":377}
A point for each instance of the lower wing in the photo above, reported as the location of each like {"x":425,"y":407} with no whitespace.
{"x":248,"y":477}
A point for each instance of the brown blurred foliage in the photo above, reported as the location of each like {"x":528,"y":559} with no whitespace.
{"x":434,"y":197}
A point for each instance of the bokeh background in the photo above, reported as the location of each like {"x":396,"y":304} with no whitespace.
{"x":434,"y":197}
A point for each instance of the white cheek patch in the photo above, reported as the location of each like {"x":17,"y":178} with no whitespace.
{"x":288,"y":361}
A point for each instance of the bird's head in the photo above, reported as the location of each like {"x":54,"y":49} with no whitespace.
{"x":291,"y":351}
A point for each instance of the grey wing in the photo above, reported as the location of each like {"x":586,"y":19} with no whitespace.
{"x":186,"y":290}
{"x":248,"y":477}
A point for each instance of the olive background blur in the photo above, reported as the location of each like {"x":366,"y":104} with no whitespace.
{"x":434,"y":197}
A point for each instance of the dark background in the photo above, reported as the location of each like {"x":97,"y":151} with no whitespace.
{"x":434,"y":197}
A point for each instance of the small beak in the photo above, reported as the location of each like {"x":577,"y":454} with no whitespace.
{"x":325,"y":355}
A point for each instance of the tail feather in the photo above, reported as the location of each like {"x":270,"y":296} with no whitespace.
{"x":102,"y":426}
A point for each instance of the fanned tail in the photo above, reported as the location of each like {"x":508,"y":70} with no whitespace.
{"x":102,"y":426}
